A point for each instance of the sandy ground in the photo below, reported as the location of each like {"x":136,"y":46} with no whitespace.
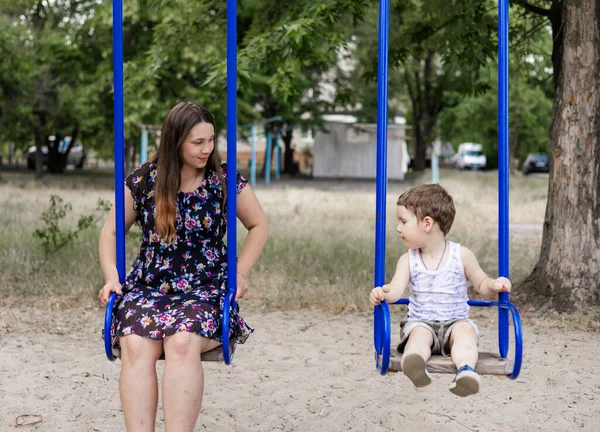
{"x":300,"y":371}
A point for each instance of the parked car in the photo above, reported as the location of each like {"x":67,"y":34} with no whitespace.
{"x":536,"y":163}
{"x":470,"y":155}
{"x":76,"y":156}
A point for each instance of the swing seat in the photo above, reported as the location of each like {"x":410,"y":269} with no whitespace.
{"x":488,"y":363}
{"x":222,"y":353}
{"x":214,"y":355}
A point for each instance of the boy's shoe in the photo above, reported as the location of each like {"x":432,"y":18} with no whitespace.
{"x":466,"y":382}
{"x":415,"y":368}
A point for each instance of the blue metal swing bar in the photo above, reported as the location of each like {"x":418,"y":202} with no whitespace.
{"x":119,"y":138}
{"x":382,"y":325}
{"x":231,"y":174}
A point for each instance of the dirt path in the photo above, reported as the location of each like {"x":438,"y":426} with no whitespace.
{"x":300,"y":371}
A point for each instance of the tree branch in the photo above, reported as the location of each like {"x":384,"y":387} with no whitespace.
{"x":443,"y":25}
{"x":533,"y":9}
{"x":529,"y":32}
{"x":440,"y":27}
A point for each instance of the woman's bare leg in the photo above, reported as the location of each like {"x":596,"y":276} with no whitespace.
{"x":183,"y":380}
{"x":138,"y":384}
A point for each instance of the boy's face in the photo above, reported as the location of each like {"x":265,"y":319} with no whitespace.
{"x":409,"y":228}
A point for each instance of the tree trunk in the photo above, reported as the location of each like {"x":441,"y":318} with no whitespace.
{"x":414,"y":92}
{"x":129,"y":150}
{"x":418,"y":163}
{"x":39,"y":157}
{"x":288,"y":155}
{"x":556,"y":16}
{"x":57,"y":161}
{"x":429,"y":103}
{"x":567,"y":275}
{"x":426,"y":99}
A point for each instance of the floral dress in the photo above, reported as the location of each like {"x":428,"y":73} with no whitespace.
{"x":178,"y":286}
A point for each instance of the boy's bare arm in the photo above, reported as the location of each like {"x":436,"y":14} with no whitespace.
{"x":394,"y":291}
{"x":483,"y":284}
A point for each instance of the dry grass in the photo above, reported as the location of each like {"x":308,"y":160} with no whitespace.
{"x":321,"y":249}
{"x":320,"y":253}
{"x":73,"y":272}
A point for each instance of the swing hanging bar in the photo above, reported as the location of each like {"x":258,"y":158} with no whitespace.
{"x":119,"y":139}
{"x":489,"y":363}
{"x":224,"y":352}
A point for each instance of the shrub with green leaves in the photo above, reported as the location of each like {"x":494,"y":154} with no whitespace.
{"x":52,"y":237}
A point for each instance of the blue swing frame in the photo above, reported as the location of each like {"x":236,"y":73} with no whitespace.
{"x":382,"y":324}
{"x":119,"y":138}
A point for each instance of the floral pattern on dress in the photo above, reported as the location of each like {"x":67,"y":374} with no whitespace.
{"x":178,"y":286}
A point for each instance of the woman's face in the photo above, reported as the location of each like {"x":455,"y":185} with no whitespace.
{"x":198,"y":145}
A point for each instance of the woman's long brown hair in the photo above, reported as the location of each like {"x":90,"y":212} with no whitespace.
{"x":177,"y":126}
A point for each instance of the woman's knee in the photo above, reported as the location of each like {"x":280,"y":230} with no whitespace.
{"x":183,"y":344}
{"x":138,"y":349}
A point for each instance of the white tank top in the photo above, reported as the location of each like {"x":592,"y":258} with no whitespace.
{"x":438,"y":295}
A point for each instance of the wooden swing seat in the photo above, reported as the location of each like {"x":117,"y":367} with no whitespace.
{"x":214,"y":355}
{"x":488,"y":364}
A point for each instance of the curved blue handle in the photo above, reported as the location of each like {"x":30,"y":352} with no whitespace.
{"x":382,"y":337}
{"x":107,"y":325}
{"x":516,"y":317}
{"x":227,"y":304}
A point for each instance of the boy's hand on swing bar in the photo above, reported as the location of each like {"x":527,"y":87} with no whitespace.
{"x":501,"y":284}
{"x":378,"y":294}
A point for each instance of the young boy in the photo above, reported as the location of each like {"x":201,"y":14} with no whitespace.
{"x":438,"y":272}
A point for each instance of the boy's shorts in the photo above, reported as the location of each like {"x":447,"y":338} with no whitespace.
{"x":439,"y":329}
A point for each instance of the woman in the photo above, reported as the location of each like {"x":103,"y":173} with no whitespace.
{"x":173,"y":296}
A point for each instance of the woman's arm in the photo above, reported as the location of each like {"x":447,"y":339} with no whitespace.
{"x":252,"y":216}
{"x":107,"y":244}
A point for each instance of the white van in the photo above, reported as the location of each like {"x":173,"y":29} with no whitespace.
{"x":470,"y":155}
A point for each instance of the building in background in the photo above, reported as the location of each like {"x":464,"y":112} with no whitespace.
{"x":349,"y":151}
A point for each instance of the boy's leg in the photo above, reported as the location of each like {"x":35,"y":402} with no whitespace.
{"x":463,"y":345}
{"x":464,"y":352}
{"x":416,"y":353}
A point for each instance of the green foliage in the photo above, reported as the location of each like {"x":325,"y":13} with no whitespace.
{"x":50,"y":79}
{"x":474,"y":118}
{"x":52,"y":237}
{"x":56,"y":73}
{"x":443,"y":61}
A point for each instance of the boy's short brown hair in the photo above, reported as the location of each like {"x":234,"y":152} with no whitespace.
{"x":430,"y":200}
